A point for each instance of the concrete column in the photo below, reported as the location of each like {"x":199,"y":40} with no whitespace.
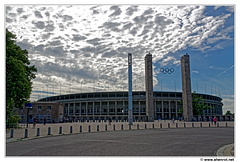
{"x":108,"y":107}
{"x":162,"y":110}
{"x":139,"y":106}
{"x":74,"y":108}
{"x":68,"y":108}
{"x":80,"y":108}
{"x":176,"y":114}
{"x":100,"y":108}
{"x":86,"y":108}
{"x":169,"y":107}
{"x":93,"y":108}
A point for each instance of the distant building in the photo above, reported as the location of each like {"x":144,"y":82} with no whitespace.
{"x":102,"y":105}
{"x":51,"y":111}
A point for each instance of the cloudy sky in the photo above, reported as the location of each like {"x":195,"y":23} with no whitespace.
{"x":84,"y":48}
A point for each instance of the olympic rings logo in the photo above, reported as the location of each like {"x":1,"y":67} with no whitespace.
{"x":167,"y":70}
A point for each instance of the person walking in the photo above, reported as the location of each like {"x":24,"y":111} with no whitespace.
{"x":34,"y":122}
{"x":212,"y":120}
{"x":215,"y":120}
{"x":173,"y":120}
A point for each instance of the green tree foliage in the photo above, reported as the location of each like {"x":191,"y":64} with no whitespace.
{"x":19,"y":74}
{"x":228,"y":113}
{"x":198,"y":104}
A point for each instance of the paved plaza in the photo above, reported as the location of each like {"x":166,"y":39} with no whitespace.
{"x":173,"y":141}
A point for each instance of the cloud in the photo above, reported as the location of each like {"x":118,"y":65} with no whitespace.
{"x":84,"y":43}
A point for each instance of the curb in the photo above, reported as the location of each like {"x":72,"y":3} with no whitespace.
{"x":227,"y":150}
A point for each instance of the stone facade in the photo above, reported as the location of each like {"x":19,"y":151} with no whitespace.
{"x":186,"y":88}
{"x":149,"y":87}
{"x":53,"y":112}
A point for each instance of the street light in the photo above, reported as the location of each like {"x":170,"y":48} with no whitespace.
{"x":28,"y":106}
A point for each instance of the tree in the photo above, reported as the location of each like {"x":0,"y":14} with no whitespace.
{"x":228,"y":113}
{"x":19,"y":75}
{"x":198,"y":105}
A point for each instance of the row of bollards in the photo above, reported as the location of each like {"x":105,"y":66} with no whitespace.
{"x":106,"y":128}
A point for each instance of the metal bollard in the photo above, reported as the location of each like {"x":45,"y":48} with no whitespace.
{"x":184,"y":125}
{"x":226,"y":124}
{"x":60,"y":130}
{"x":200,"y":124}
{"x":38,"y":132}
{"x":113,"y":126}
{"x":11,"y":133}
{"x":80,"y":129}
{"x":209,"y":124}
{"x":97,"y":128}
{"x":49,"y":131}
{"x":129,"y":127}
{"x":168,"y":125}
{"x":145,"y":126}
{"x":26,"y":133}
{"x":105,"y":127}
{"x":153,"y":125}
{"x":71,"y":130}
{"x":192,"y":124}
{"x":160,"y":125}
{"x":217,"y":124}
{"x":89,"y":128}
{"x":122,"y":127}
{"x":176,"y":125}
{"x":137,"y":126}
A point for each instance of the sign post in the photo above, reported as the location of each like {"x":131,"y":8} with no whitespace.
{"x":28,"y":106}
{"x":130,"y":120}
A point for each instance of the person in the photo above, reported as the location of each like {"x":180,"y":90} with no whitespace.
{"x":173,"y":120}
{"x":212,"y":120}
{"x":215,"y":120}
{"x":34,"y":122}
{"x":44,"y":121}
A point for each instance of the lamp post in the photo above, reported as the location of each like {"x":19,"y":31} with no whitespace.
{"x":28,"y":106}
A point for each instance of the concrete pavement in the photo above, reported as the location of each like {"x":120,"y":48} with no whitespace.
{"x":142,"y":142}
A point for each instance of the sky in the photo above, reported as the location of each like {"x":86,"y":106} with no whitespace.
{"x":84,"y":48}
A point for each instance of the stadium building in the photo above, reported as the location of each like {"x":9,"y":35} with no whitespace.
{"x":114,"y":105}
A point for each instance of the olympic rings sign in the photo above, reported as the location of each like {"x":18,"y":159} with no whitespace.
{"x":167,"y":70}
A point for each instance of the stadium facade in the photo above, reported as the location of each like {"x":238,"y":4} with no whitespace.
{"x":114,"y":105}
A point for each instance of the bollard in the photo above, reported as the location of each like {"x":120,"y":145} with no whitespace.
{"x":129,"y":127}
{"x":11,"y":133}
{"x":97,"y":128}
{"x":209,"y":124}
{"x":160,"y":125}
{"x":89,"y":128}
{"x":80,"y":129}
{"x":192,"y":124}
{"x":176,"y":125}
{"x":145,"y":126}
{"x":49,"y":131}
{"x":122,"y":127}
{"x":105,"y":127}
{"x":71,"y":129}
{"x":226,"y":124}
{"x":184,"y":125}
{"x":60,"y":130}
{"x":153,"y":125}
{"x":200,"y":124}
{"x":217,"y":124}
{"x":137,"y":126}
{"x":168,"y":125}
{"x":26,"y":133}
{"x":38,"y":132}
{"x":113,"y":126}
